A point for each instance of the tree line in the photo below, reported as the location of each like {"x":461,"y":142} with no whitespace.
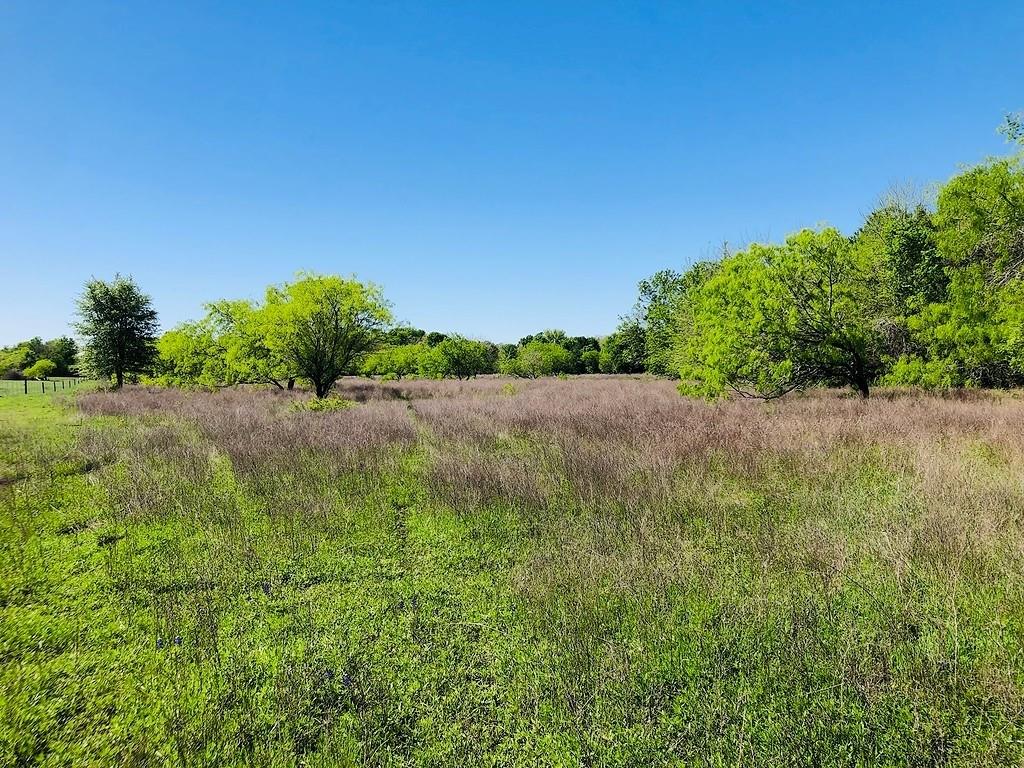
{"x":38,"y":359}
{"x":926,"y":295}
{"x":920,"y":295}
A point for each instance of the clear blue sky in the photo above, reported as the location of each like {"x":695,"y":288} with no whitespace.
{"x":499,"y":168}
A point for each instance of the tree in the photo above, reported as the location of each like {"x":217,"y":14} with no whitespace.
{"x":778,"y":318}
{"x":64,"y":353}
{"x":322,"y":325}
{"x":191,"y":354}
{"x":15,"y":359}
{"x":395,"y":362}
{"x":241,"y":330}
{"x":459,"y":357}
{"x":980,"y":220}
{"x":119,"y":325}
{"x":625,"y":350}
{"x":590,"y":361}
{"x":1013,"y":128}
{"x":900,"y":242}
{"x":540,"y":358}
{"x":974,"y":338}
{"x":40,"y":369}
{"x":402,"y":335}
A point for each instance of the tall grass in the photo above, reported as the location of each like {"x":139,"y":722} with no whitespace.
{"x":591,"y":571}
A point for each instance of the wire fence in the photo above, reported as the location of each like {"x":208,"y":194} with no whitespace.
{"x":39,"y":386}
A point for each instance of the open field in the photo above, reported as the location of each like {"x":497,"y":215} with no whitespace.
{"x":592,"y":571}
{"x":52,"y":384}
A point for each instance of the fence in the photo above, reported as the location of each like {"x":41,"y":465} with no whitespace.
{"x":28,"y":387}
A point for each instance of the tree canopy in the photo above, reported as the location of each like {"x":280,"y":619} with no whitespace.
{"x":119,"y":325}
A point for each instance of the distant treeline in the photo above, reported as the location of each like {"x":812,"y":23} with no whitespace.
{"x":927,"y":294}
{"x":36,"y":358}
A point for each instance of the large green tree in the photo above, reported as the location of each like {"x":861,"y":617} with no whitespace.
{"x":323,"y":325}
{"x":458,"y":357}
{"x":119,"y":325}
{"x":773,"y":319}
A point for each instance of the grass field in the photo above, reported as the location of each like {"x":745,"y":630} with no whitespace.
{"x":592,"y":571}
{"x":63,"y":383}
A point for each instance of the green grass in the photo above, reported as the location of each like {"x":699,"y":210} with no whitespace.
{"x":63,"y":384}
{"x":161,"y":606}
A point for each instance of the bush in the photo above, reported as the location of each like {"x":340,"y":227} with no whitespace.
{"x":41,"y":369}
{"x":324,"y":404}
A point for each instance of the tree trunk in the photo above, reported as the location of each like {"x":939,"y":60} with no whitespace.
{"x":321,"y":389}
{"x":862,"y":386}
{"x":291,"y":383}
{"x":120,"y":379}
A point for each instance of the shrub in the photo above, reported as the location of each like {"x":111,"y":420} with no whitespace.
{"x":41,"y":369}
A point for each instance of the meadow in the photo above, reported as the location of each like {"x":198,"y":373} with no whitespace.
{"x":583,"y":571}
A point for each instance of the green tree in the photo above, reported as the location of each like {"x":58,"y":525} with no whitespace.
{"x":40,"y":369}
{"x":64,"y":353}
{"x":402,"y":335}
{"x":192,"y":355}
{"x":625,"y":350}
{"x":1013,"y":128}
{"x":457,"y":357}
{"x":777,"y":318}
{"x":975,"y":338}
{"x":980,"y":219}
{"x":15,"y":359}
{"x":323,"y":325}
{"x":241,"y":330}
{"x":901,"y":243}
{"x":119,"y":325}
{"x":541,"y":358}
{"x":590,"y":361}
{"x":434,"y":338}
{"x":395,"y":362}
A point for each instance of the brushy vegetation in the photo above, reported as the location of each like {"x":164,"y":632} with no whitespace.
{"x":582,"y":572}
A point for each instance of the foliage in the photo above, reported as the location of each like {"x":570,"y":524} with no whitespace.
{"x":625,"y":350}
{"x":15,"y":359}
{"x":119,"y":325}
{"x":323,"y":325}
{"x":972,"y":339}
{"x":458,"y":357}
{"x":899,"y":244}
{"x":777,"y":318}
{"x":40,"y":369}
{"x":1013,"y":128}
{"x":980,"y":219}
{"x":540,"y":358}
{"x":395,"y":362}
{"x":324,"y":404}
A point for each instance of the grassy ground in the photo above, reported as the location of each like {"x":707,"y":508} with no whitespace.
{"x":51,"y":385}
{"x":583,"y":572}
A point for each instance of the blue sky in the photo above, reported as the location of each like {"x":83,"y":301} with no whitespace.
{"x":499,"y":168}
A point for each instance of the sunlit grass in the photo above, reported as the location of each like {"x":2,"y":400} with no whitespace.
{"x":590,"y":571}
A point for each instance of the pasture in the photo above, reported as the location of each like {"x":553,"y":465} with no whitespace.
{"x":589,"y":571}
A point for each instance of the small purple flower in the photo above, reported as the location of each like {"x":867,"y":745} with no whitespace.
{"x":159,"y":642}
{"x":177,"y":639}
{"x":346,"y":680}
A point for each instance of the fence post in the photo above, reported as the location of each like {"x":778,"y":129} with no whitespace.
{"x":26,"y":386}
{"x":43,"y":385}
